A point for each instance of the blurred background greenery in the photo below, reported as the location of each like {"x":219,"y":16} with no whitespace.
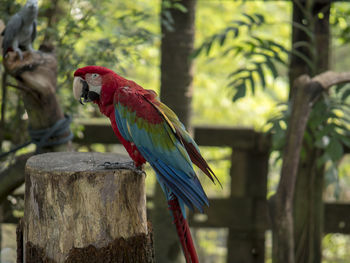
{"x":125,"y":36}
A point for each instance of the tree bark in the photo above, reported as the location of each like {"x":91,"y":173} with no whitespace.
{"x":297,"y":65}
{"x":308,"y":202}
{"x":36,"y":76}
{"x":306,"y":92}
{"x":176,"y":64}
{"x":175,"y":91}
{"x":76,"y":211}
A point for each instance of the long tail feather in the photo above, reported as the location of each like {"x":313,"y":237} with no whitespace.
{"x":183,"y":231}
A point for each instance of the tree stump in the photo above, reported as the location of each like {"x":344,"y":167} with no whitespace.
{"x":77,"y":211}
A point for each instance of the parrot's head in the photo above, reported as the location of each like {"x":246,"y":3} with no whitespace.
{"x":32,"y":3}
{"x":90,"y":82}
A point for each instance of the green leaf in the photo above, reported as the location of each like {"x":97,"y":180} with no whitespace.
{"x":304,"y":28}
{"x":241,"y":70}
{"x":196,"y":52}
{"x":252,"y":83}
{"x":339,"y":87}
{"x":304,"y":58}
{"x":180,"y":7}
{"x":271,"y":67}
{"x":345,"y":95}
{"x":240,"y":23}
{"x":241,"y":92}
{"x":260,"y":17}
{"x":208,"y":47}
{"x":259,"y":70}
{"x":222,"y":39}
{"x":345,"y":140}
{"x":323,"y":159}
{"x":335,"y":150}
{"x":251,"y":19}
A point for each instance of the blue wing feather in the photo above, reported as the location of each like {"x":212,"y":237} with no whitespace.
{"x":166,"y":154}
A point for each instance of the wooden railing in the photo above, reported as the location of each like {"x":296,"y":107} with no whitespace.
{"x":245,"y":212}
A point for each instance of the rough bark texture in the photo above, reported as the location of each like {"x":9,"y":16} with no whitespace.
{"x":75,"y":211}
{"x":176,"y":92}
{"x":36,"y":76}
{"x":308,"y":202}
{"x":297,"y":65}
{"x":306,"y":92}
{"x":176,"y":64}
{"x":283,"y":246}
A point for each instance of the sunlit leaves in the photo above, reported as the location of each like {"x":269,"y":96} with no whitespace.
{"x":260,"y":54}
{"x":233,"y":31}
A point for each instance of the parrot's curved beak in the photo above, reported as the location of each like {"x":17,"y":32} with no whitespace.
{"x":81,"y":91}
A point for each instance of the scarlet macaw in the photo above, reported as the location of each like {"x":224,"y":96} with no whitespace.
{"x":152,"y":132}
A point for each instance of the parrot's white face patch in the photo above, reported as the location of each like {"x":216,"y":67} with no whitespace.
{"x":94,"y":81}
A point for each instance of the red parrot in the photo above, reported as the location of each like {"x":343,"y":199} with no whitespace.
{"x":151,"y":132}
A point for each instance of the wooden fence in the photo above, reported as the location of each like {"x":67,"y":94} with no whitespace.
{"x":245,"y":212}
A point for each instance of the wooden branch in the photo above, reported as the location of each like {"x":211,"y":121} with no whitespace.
{"x":36,"y":75}
{"x":330,"y":78}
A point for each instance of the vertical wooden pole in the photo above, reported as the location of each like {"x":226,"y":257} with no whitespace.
{"x":1,"y":222}
{"x":75,"y":211}
{"x":249,"y":180}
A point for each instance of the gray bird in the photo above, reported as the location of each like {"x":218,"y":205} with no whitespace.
{"x":20,"y":30}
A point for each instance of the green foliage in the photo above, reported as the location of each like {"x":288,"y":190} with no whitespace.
{"x":260,"y":53}
{"x":328,"y":129}
{"x":340,"y":22}
{"x":83,"y":33}
{"x":166,"y":18}
{"x":98,"y":33}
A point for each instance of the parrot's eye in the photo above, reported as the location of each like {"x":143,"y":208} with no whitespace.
{"x":94,"y":75}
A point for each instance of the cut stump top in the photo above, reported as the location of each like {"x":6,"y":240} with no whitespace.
{"x":73,"y":161}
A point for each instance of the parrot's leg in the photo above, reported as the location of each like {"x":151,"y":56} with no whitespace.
{"x":16,"y":49}
{"x":30,"y":48}
{"x":126,"y":165}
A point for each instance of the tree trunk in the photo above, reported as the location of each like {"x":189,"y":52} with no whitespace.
{"x":308,"y":202}
{"x":176,"y":64}
{"x":298,"y":66}
{"x":282,"y":223}
{"x":176,"y":92}
{"x":75,"y":211}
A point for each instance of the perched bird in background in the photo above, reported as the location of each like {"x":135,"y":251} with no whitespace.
{"x":150,"y":131}
{"x":20,"y":30}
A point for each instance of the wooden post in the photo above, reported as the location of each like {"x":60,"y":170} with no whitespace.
{"x":249,"y":182}
{"x":76,"y":211}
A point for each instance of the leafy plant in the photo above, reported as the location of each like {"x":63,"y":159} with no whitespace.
{"x":328,"y":129}
{"x":261,"y":54}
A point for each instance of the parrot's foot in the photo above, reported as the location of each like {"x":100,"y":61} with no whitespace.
{"x":19,"y":53}
{"x":126,"y":165}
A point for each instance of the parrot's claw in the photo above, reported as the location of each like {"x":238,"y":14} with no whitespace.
{"x":126,"y":165}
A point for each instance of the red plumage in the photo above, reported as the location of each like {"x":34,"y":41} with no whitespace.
{"x":145,"y":105}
